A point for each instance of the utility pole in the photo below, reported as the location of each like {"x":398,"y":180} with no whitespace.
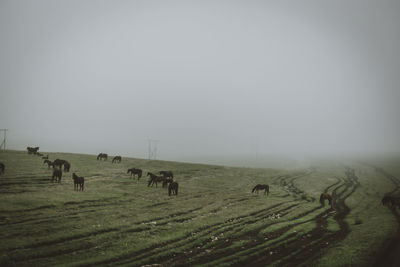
{"x":152,"y":147}
{"x":3,"y":143}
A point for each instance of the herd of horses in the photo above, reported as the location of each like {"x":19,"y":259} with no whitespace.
{"x":104,"y":156}
{"x":60,"y":165}
{"x":164,"y":177}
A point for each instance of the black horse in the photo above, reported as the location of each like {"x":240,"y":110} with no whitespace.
{"x":134,"y":172}
{"x":57,"y":174}
{"x":102,"y":156}
{"x":32,"y":150}
{"x":173,"y":188}
{"x":393,"y":200}
{"x":264,"y":187}
{"x":2,"y":168}
{"x":59,"y":163}
{"x":167,"y":174}
{"x":117,"y":158}
{"x":79,"y":182}
{"x":49,"y":163}
{"x":326,"y":196}
{"x":154,"y":179}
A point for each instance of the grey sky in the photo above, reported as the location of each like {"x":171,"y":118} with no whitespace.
{"x":203,"y":77}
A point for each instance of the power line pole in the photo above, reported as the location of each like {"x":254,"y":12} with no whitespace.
{"x":152,"y":148}
{"x":3,"y":144}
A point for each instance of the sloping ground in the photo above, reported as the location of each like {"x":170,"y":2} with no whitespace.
{"x":214,"y":221}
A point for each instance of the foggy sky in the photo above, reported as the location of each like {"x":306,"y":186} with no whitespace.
{"x":203,"y":77}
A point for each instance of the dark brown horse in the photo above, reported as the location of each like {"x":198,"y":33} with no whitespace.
{"x":117,"y":158}
{"x":60,"y":163}
{"x":78,"y":182}
{"x":392,"y":200}
{"x":173,"y":188}
{"x":102,"y":156}
{"x":264,"y":187}
{"x":154,"y":179}
{"x":57,"y":174}
{"x":326,"y":196}
{"x":134,"y":172}
{"x":167,"y":174}
{"x":2,"y":168}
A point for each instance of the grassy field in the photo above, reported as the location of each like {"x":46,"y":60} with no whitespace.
{"x":214,"y":221}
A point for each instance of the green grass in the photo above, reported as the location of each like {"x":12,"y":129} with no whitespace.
{"x":121,"y":221}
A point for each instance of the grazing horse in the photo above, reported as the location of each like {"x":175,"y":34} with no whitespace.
{"x":154,"y":179}
{"x":57,"y":174}
{"x":326,"y":196}
{"x":2,"y":168}
{"x":167,"y":174}
{"x":173,"y":188}
{"x":167,"y":181}
{"x":102,"y":156}
{"x":135,"y":171}
{"x":117,"y":158}
{"x":78,"y":182}
{"x":49,"y":163}
{"x":264,"y":187}
{"x":59,"y":163}
{"x":393,"y":200}
{"x":32,"y":150}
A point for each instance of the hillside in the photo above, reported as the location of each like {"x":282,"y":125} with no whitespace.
{"x":214,"y":221}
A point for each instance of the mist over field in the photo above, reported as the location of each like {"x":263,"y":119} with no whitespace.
{"x":208,"y":79}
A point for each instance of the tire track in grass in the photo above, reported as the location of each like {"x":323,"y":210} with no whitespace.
{"x":185,"y":240}
{"x":205,"y":236}
{"x":236,"y":231}
{"x":319,"y":238}
{"x":171,"y":218}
